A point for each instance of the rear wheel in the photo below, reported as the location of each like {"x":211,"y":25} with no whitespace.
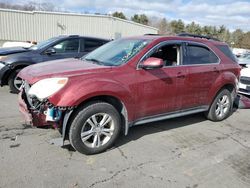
{"x":221,"y":107}
{"x":15,"y":82}
{"x":95,"y":128}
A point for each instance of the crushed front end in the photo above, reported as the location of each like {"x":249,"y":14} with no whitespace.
{"x":41,"y":113}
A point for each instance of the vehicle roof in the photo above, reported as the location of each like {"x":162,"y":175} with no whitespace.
{"x":184,"y":38}
{"x":81,"y":36}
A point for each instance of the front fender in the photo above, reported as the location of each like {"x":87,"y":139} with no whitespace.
{"x":7,"y":70}
{"x":76,"y":92}
{"x":22,"y":64}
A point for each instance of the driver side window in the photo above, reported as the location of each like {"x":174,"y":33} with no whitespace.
{"x":170,"y":54}
{"x":67,"y":46}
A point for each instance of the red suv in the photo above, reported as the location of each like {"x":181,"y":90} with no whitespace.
{"x":128,"y":82}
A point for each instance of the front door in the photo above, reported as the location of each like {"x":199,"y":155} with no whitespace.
{"x":159,"y":89}
{"x":68,"y":48}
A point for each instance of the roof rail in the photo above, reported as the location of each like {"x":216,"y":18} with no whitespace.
{"x":152,"y":34}
{"x":74,"y":35}
{"x":197,"y":36}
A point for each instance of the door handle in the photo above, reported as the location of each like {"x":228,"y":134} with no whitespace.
{"x":180,"y":75}
{"x":216,"y":70}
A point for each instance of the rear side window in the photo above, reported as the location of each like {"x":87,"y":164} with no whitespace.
{"x":227,"y":52}
{"x":196,"y":54}
{"x":91,"y":44}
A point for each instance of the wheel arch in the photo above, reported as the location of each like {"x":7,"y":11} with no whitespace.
{"x":114,"y":101}
{"x":14,"y":67}
{"x":229,"y":86}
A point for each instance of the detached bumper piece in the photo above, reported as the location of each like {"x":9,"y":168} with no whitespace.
{"x":24,"y":110}
{"x":242,"y":102}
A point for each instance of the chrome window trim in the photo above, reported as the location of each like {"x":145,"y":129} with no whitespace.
{"x":204,"y":45}
{"x":181,"y":59}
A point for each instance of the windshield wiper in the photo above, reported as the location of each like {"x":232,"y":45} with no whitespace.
{"x":96,"y":61}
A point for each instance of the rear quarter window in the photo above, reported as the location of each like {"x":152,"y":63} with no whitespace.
{"x":196,"y":54}
{"x":227,"y":52}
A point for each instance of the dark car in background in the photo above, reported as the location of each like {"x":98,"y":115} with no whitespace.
{"x":12,"y":60}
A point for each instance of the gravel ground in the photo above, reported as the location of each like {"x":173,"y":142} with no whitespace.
{"x":187,"y":152}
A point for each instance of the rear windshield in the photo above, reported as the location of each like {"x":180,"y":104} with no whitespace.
{"x":227,"y":52}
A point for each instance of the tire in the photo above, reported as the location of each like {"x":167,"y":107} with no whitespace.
{"x":221,"y":107}
{"x":12,"y":81}
{"x":88,"y":134}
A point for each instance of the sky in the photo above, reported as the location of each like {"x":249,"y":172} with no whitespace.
{"x":231,"y":13}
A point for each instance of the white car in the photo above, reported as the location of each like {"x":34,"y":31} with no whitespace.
{"x":244,"y":85}
{"x":17,"y":44}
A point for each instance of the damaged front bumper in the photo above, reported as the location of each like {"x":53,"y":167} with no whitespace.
{"x":39,"y":116}
{"x":43,"y":113}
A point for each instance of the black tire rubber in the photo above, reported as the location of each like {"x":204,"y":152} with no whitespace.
{"x":11,"y":84}
{"x":81,"y":115}
{"x":211,"y":115}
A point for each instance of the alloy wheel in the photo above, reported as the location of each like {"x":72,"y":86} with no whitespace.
{"x":97,"y":130}
{"x":222,"y":106}
{"x":18,"y":82}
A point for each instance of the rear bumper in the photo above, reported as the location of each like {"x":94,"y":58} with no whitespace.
{"x":244,"y":102}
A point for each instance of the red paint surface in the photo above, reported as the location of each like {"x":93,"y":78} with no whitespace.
{"x":144,"y":92}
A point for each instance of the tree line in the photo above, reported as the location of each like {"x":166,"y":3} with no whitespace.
{"x":237,"y":38}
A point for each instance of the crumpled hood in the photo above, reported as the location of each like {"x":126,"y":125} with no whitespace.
{"x":60,"y":68}
{"x":12,"y":50}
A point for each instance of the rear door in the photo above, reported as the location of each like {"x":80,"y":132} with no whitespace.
{"x":203,"y":68}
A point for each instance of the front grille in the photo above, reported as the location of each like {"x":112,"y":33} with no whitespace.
{"x":245,"y":80}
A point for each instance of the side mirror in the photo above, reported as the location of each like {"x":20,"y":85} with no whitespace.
{"x":50,"y":51}
{"x":152,"y":63}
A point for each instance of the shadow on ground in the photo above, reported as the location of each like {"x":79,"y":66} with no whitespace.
{"x":139,"y":131}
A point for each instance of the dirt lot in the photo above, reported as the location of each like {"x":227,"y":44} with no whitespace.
{"x":188,"y":152}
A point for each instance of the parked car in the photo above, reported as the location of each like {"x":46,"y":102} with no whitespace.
{"x":17,"y":44}
{"x":244,"y":85}
{"x":128,"y":82}
{"x":12,"y":60}
{"x":245,"y":59}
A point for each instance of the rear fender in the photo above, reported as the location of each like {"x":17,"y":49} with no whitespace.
{"x":225,"y":79}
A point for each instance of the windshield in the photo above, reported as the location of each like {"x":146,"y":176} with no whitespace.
{"x":42,"y":44}
{"x":117,"y":52}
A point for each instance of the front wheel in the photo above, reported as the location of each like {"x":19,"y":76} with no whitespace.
{"x":221,"y":107}
{"x":15,"y":82}
{"x":95,"y":128}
